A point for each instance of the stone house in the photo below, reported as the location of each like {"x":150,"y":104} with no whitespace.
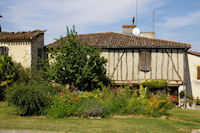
{"x":193,"y":73}
{"x":24,"y":47}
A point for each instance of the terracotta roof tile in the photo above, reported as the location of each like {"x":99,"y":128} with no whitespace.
{"x":118,"y":40}
{"x":193,"y":53}
{"x":20,"y":35}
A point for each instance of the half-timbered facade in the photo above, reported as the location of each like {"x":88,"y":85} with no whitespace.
{"x":135,"y":59}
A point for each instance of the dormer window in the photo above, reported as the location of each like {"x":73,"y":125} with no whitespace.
{"x":145,"y":60}
{"x":4,"y":51}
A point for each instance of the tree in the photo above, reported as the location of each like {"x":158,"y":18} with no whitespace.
{"x":7,"y":70}
{"x":75,"y":62}
{"x":7,"y":73}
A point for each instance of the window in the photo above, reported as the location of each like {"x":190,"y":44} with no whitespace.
{"x":198,"y":72}
{"x":145,"y":60}
{"x":3,"y":51}
{"x":39,"y":54}
{"x":39,"y":51}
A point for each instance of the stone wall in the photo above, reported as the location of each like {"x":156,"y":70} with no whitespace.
{"x":20,"y":51}
{"x":25,"y":52}
{"x":193,"y":84}
{"x":37,"y":43}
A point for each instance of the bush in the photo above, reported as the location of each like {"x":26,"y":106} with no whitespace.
{"x":7,"y":73}
{"x":31,"y":98}
{"x":156,"y":105}
{"x":65,"y":103}
{"x":91,"y":108}
{"x":197,"y":101}
{"x":137,"y":106}
{"x":61,"y":108}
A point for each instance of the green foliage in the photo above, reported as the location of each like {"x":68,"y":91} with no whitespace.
{"x":7,"y":70}
{"x":65,"y":102}
{"x":156,"y":106}
{"x":7,"y":73}
{"x":155,"y":84}
{"x":91,"y":108}
{"x":142,"y":92}
{"x":61,"y":109}
{"x":30,"y":98}
{"x":182,"y":94}
{"x":197,"y":101}
{"x":190,"y":97}
{"x":75,"y":62}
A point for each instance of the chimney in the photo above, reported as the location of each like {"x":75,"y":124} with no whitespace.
{"x":0,"y":24}
{"x":127,"y":29}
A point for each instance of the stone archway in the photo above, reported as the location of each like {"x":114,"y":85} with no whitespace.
{"x":4,"y":50}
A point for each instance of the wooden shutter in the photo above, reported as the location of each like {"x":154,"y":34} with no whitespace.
{"x":198,"y":72}
{"x":4,"y":50}
{"x":145,"y":60}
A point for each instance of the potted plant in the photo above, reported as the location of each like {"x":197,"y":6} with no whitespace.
{"x":190,"y":102}
{"x":182,"y":94}
{"x":197,"y":101}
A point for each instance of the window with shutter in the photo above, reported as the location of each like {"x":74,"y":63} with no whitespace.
{"x":145,"y":60}
{"x":198,"y":72}
{"x":4,"y":51}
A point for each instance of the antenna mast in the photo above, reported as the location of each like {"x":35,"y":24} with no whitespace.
{"x":153,"y":20}
{"x":136,"y":11}
{"x":0,"y":24}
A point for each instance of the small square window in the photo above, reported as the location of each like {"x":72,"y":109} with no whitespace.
{"x":198,"y":73}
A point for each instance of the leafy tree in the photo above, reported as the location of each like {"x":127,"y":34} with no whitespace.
{"x":7,"y":73}
{"x":75,"y":62}
{"x":7,"y":70}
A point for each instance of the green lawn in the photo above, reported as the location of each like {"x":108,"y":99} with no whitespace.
{"x":180,"y":121}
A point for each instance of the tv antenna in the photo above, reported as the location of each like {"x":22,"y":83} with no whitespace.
{"x":136,"y":11}
{"x":153,"y":20}
{"x":0,"y":24}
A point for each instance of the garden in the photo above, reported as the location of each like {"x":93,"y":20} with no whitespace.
{"x":72,"y":85}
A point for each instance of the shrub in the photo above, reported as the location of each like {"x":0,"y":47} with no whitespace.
{"x":156,"y":106}
{"x":91,"y":108}
{"x":136,"y":106}
{"x":31,"y":98}
{"x":65,"y":103}
{"x":61,"y":107}
{"x":7,"y":73}
{"x":197,"y":101}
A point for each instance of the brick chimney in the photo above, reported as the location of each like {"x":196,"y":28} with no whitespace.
{"x":127,"y":29}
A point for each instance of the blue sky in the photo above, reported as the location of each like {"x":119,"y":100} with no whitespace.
{"x":175,"y":20}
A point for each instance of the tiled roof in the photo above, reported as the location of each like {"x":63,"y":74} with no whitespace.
{"x":118,"y":40}
{"x":20,"y":35}
{"x":193,"y":53}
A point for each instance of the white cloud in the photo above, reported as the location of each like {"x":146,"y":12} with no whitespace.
{"x":54,"y":15}
{"x":191,"y":18}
